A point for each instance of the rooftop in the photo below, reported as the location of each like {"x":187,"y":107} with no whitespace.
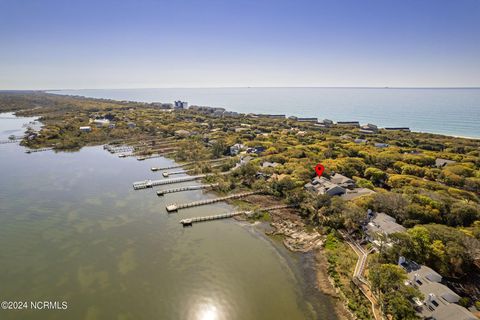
{"x":385,"y":224}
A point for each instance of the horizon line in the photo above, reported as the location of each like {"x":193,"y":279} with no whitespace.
{"x":252,"y":87}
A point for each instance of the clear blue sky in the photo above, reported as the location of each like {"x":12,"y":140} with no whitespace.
{"x":52,"y":44}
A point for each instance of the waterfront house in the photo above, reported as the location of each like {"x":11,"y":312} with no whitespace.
{"x":180,"y":104}
{"x":439,"y":301}
{"x":307,"y":119}
{"x":368,"y":129}
{"x":272,"y":116}
{"x":348,"y":123}
{"x":337,"y":185}
{"x":321,"y":185}
{"x":440,"y":163}
{"x":324,"y":123}
{"x":342,"y":181}
{"x":406,"y":129}
{"x":85,"y":129}
{"x":380,"y":223}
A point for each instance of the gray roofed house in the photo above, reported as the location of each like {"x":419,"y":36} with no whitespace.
{"x":439,"y":301}
{"x":435,"y":290}
{"x":348,"y":123}
{"x":342,"y":181}
{"x":417,"y":272}
{"x":439,"y":162}
{"x":452,"y":311}
{"x":368,"y":128}
{"x":307,"y":119}
{"x":324,"y":186}
{"x":382,"y":223}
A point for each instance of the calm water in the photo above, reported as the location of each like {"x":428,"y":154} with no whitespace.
{"x":72,"y":229}
{"x":446,"y":111}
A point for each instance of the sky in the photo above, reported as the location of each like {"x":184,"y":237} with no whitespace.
{"x":63,"y":44}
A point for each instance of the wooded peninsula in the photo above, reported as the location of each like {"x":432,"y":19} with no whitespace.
{"x":390,"y":204}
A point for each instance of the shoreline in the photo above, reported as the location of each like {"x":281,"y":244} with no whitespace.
{"x":59,"y":92}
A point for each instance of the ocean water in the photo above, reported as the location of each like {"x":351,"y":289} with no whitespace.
{"x":453,"y":112}
{"x":72,"y":229}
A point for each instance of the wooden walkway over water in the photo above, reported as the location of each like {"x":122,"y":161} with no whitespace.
{"x":152,"y":183}
{"x":186,"y":188}
{"x":10,"y":141}
{"x":191,"y":221}
{"x":175,"y":207}
{"x":38,"y":150}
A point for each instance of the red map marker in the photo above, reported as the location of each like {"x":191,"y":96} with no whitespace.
{"x":319,"y":168}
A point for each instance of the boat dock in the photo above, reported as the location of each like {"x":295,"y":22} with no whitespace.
{"x":118,"y":149}
{"x":175,"y":207}
{"x":38,"y":150}
{"x":10,"y":141}
{"x":187,"y":188}
{"x":166,"y":174}
{"x":152,"y":183}
{"x":191,"y":221}
{"x":171,"y":167}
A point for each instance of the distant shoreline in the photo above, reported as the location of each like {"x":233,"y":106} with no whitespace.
{"x":66,"y":93}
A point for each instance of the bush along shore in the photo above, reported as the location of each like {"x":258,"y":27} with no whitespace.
{"x":384,"y":194}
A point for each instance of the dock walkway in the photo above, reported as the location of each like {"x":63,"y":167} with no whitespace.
{"x":10,"y":141}
{"x":175,"y":207}
{"x":186,"y":188}
{"x":38,"y":150}
{"x":152,"y":183}
{"x":191,"y":221}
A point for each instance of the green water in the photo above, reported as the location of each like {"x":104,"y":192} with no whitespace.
{"x":73,"y":229}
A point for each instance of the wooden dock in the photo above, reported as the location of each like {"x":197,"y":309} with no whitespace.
{"x":118,"y":149}
{"x":191,"y":221}
{"x":166,"y":174}
{"x":186,"y":188}
{"x":10,"y":141}
{"x":152,"y":183}
{"x":175,"y":207}
{"x":171,"y":167}
{"x":38,"y":150}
